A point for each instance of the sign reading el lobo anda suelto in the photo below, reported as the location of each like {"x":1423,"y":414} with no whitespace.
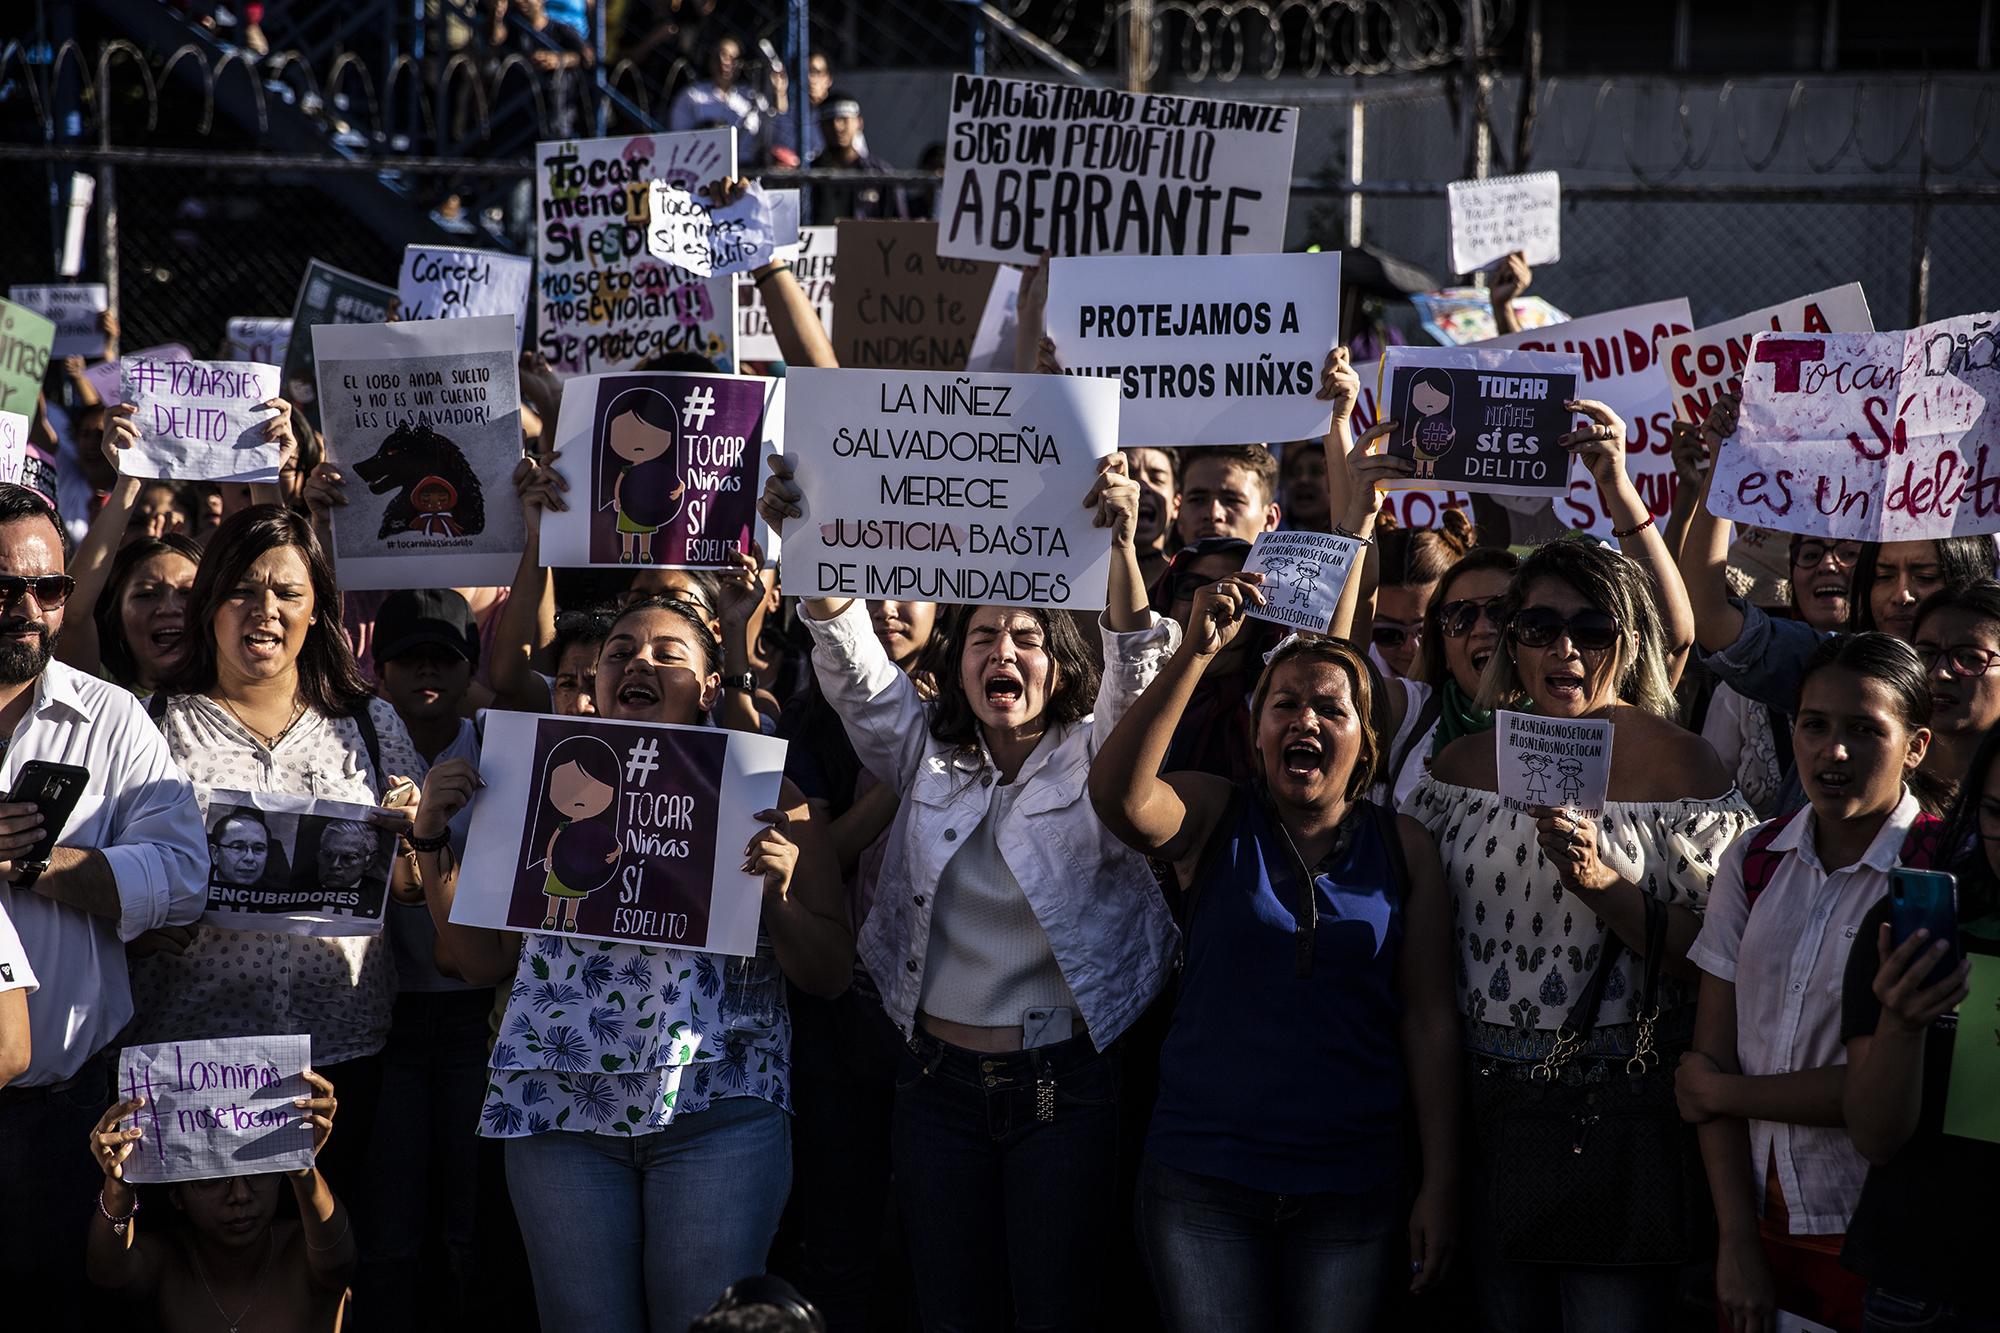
{"x":1875,"y":437}
{"x":948,"y":488}
{"x":1036,"y":167}
{"x":1206,"y":349}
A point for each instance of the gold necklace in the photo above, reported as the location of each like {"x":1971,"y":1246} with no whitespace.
{"x":268,"y":742}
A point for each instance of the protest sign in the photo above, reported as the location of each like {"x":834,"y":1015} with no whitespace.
{"x":1558,"y":762}
{"x":1875,"y":437}
{"x":993,"y":340}
{"x":266,"y":338}
{"x":898,"y":304}
{"x":1219,"y":349}
{"x":686,"y":232}
{"x":1035,"y":167}
{"x":1492,"y":218}
{"x":625,"y":831}
{"x":948,"y":488}
{"x":1705,"y":364}
{"x":108,"y":377}
{"x":1455,"y":316}
{"x":327,"y":295}
{"x":423,"y":417}
{"x":25,"y":339}
{"x":812,"y":262}
{"x":221,"y":1107}
{"x":664,"y":469}
{"x":1304,"y":575}
{"x":20,"y":463}
{"x":1482,"y":420}
{"x":1413,"y":508}
{"x":293,"y":865}
{"x":1972,"y":1097}
{"x":74,"y":309}
{"x":784,"y":222}
{"x":1621,"y":369}
{"x":602,"y":301}
{"x":201,"y":420}
{"x":445,"y":282}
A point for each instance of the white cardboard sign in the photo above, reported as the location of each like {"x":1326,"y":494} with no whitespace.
{"x":1213,"y":349}
{"x":928,"y":486}
{"x":1304,"y":575}
{"x":444,"y":282}
{"x":221,"y":1107}
{"x":1557,"y":762}
{"x":1492,"y":218}
{"x":257,"y":338}
{"x":1876,"y":437}
{"x":201,"y":420}
{"x":812,"y":261}
{"x":73,"y":307}
{"x":1095,"y":171}
{"x":1705,"y":364}
{"x":108,"y":377}
{"x":708,"y":242}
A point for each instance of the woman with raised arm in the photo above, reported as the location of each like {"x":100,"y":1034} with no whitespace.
{"x":1318,"y":954}
{"x":1559,"y":912}
{"x":648,"y":1150}
{"x":1013,"y":938}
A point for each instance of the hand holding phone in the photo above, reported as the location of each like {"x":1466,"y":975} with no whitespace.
{"x":51,"y":790}
{"x":1925,"y":900}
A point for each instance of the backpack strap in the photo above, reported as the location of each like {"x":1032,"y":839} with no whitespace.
{"x":1760,"y":863}
{"x":364,"y":722}
{"x":1781,"y":739}
{"x":156,"y":706}
{"x":1920,"y":845}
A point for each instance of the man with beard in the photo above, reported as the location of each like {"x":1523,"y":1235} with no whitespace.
{"x":131,"y":858}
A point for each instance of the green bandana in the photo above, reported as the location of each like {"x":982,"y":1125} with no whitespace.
{"x":1457,"y":717}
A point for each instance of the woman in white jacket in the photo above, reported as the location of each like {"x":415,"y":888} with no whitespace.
{"x":1013,"y":938}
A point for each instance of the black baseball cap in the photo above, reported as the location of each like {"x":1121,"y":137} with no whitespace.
{"x":416,"y":617}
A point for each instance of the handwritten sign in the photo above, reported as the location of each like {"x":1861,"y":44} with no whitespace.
{"x":108,"y":377}
{"x":1455,"y":316}
{"x":1035,"y":167}
{"x":1304,"y":575}
{"x":602,"y":301}
{"x":1707,"y":363}
{"x":674,"y":462}
{"x":1416,"y":507}
{"x":1482,"y":420}
{"x":424,"y":417}
{"x":294,"y":865}
{"x":812,"y":262}
{"x":1492,"y":218}
{"x":625,"y":831}
{"x":266,"y":338}
{"x":215,"y":1108}
{"x":1874,"y":437}
{"x":443,"y":282}
{"x":327,"y":295}
{"x":993,"y":341}
{"x":1972,"y":1097}
{"x":1559,"y":762}
{"x":25,"y":339}
{"x":74,"y":308}
{"x":201,"y":420}
{"x":1217,"y":349}
{"x":948,"y":488}
{"x":705,"y":241}
{"x":1621,"y":369}
{"x":899,"y":305}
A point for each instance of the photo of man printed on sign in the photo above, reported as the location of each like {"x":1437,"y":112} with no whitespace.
{"x":675,"y":482}
{"x":620,"y":834}
{"x":316,"y":868}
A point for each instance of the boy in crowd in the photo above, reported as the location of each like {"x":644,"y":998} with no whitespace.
{"x":1227,"y":490}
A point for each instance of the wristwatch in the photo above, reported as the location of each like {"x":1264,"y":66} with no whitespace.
{"x":27,"y":872}
{"x":747,"y":682}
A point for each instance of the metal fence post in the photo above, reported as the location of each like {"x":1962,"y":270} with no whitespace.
{"x":1357,"y":147}
{"x":1920,"y":224}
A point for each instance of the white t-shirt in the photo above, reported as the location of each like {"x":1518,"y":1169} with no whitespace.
{"x":15,"y":974}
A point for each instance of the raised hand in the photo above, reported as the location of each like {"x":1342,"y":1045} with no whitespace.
{"x":1115,"y":497}
{"x":781,"y":496}
{"x":1220,"y":609}
{"x":1601,"y":444}
{"x":772,"y":854}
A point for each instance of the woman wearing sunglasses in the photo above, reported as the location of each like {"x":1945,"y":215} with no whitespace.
{"x":1411,"y":561}
{"x":1765,"y":1078}
{"x":1541,"y":899}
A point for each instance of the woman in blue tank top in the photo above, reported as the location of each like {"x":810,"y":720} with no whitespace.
{"x":1315,"y":1002}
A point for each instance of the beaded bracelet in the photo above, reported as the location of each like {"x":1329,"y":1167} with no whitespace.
{"x":118,"y":1224}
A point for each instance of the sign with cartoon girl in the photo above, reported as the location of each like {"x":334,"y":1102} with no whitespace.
{"x":674,"y":463}
{"x":618,"y":831}
{"x":1481,"y":419}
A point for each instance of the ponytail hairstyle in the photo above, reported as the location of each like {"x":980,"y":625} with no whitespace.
{"x":1420,"y":557}
{"x":1430,"y":666}
{"x":1319,"y":648}
{"x":1961,"y":560}
{"x":1613,"y":583}
{"x":1962,"y":845}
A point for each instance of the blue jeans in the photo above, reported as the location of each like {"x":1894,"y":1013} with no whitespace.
{"x":49,"y":1185}
{"x":1002,"y":1208}
{"x":1551,"y":1298}
{"x":1226,"y":1258}
{"x":643,"y":1233}
{"x":1887,"y":1311}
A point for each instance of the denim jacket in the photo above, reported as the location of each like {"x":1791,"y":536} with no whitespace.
{"x":1111,"y":932}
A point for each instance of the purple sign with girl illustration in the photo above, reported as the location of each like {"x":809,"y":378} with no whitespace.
{"x":673,"y":464}
{"x":1481,"y":419}
{"x":614,"y":830}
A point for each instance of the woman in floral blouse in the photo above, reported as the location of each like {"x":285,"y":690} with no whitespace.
{"x":643,"y":1092}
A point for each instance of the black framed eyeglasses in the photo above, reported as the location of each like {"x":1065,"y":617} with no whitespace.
{"x":1538,"y":627}
{"x":1393,"y":634}
{"x":51,"y":590}
{"x":1807,"y":555}
{"x":1457,"y":618}
{"x":1968,"y":660}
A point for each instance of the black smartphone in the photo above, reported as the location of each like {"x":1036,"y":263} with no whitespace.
{"x":54,"y":789}
{"x":1925,"y":900}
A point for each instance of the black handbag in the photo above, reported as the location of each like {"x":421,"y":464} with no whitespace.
{"x":1586,"y":1160}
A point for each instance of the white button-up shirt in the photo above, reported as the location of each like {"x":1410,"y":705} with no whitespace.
{"x":1787,"y":960}
{"x":15,"y":971}
{"x":139,"y":811}
{"x":1095,"y":898}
